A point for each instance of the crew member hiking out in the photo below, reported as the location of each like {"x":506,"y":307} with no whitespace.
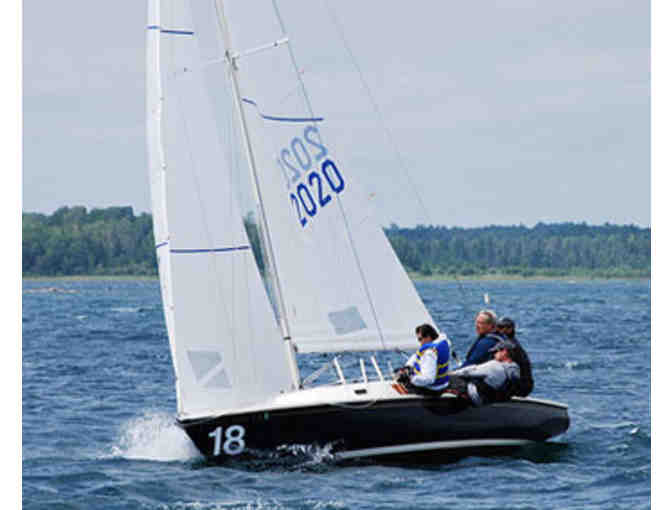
{"x":524,"y":386}
{"x":488,"y":382}
{"x":426,"y":371}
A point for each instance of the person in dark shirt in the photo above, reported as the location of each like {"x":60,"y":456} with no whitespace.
{"x":480,"y":350}
{"x":524,"y":385}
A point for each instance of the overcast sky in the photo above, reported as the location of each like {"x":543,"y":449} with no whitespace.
{"x":505,"y":112}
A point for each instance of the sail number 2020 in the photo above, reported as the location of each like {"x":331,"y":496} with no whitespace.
{"x":318,"y":177}
{"x":304,"y":199}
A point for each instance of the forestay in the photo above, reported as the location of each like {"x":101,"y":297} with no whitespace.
{"x":226,"y":346}
{"x":343,"y":286}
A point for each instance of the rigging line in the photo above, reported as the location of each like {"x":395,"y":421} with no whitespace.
{"x":377,"y":110}
{"x":338,"y":199}
{"x":290,"y":353}
{"x":232,"y":189}
{"x":467,"y":312}
{"x":400,"y":161}
{"x":235,"y":128}
{"x":232,"y":235}
{"x":265,"y":236}
{"x":379,"y":114}
{"x":267,"y":276}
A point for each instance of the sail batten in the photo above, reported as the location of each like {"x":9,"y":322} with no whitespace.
{"x":209,"y":250}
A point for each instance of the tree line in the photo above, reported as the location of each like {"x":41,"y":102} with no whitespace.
{"x":557,"y":249}
{"x":114,"y":241}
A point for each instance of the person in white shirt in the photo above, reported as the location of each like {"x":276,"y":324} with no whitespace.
{"x":489,"y":381}
{"x":426,"y":371}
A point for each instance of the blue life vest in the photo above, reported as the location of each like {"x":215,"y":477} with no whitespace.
{"x":442,"y":361}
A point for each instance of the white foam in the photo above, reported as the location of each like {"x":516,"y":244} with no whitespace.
{"x":154,"y":436}
{"x":258,"y":504}
{"x":314,"y":454}
{"x":127,"y":309}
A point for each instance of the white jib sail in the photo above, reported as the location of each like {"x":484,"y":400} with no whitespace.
{"x":344,"y":287}
{"x":226,"y":346}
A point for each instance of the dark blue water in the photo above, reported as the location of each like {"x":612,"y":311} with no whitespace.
{"x":98,"y":408}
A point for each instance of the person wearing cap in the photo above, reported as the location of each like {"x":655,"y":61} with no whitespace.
{"x":426,"y":371}
{"x":490,"y":381}
{"x":480,"y":351}
{"x":507,"y":328}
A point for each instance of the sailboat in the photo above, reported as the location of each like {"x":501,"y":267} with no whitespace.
{"x":336,"y":284}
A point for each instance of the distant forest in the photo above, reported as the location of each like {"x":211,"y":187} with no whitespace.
{"x":114,"y":241}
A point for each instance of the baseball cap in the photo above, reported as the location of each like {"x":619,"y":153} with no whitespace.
{"x":505,"y":344}
{"x":505,"y":322}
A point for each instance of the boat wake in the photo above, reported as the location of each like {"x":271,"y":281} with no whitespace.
{"x":290,"y":457}
{"x":154,"y":436}
{"x":309,"y":454}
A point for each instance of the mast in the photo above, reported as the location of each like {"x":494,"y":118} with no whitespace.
{"x":265,"y":238}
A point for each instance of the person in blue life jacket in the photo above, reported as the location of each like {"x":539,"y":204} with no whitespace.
{"x":426,"y":371}
{"x":492,"y":381}
{"x":481,"y":350}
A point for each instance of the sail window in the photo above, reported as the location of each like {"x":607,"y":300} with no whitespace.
{"x":219,"y":380}
{"x":203,"y":362}
{"x":346,"y":321}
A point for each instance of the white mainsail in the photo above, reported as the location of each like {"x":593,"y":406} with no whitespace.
{"x":342,"y":284}
{"x":226,"y":346}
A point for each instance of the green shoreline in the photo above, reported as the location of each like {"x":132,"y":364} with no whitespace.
{"x":505,"y":276}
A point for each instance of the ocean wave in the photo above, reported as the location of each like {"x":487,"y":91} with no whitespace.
{"x":256,"y":504}
{"x":129,"y":309}
{"x":563,"y":365}
{"x":617,"y":425}
{"x":49,"y":290}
